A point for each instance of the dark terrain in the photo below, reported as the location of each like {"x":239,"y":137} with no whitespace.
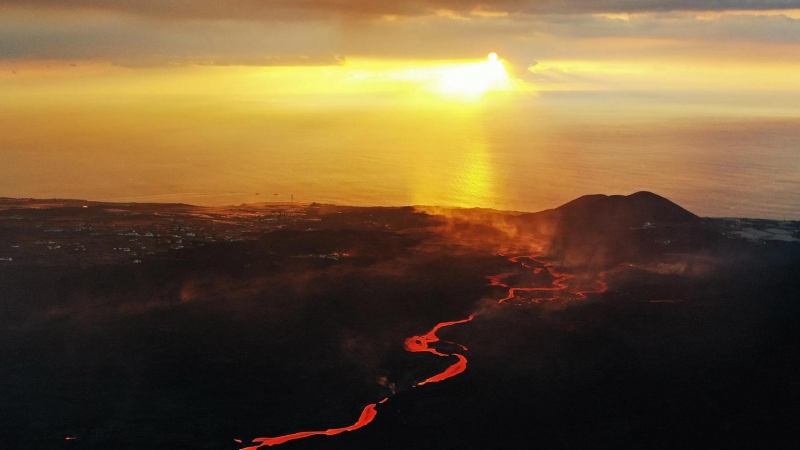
{"x":174,"y":327}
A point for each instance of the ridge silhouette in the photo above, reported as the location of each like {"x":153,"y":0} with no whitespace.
{"x":608,"y":212}
{"x":600,"y":230}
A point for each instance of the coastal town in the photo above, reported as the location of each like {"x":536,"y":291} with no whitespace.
{"x":82,"y":233}
{"x":72,"y":232}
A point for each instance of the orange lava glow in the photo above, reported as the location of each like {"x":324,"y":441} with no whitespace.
{"x":425,"y":343}
{"x":417,"y":344}
{"x":367,"y":416}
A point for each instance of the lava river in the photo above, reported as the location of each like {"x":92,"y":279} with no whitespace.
{"x":425,"y":343}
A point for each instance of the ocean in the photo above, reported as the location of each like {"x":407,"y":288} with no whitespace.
{"x":716,"y":154}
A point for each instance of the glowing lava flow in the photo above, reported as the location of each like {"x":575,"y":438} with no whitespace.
{"x":417,"y":344}
{"x":367,"y":416}
{"x":556,"y":285}
{"x":423,"y":343}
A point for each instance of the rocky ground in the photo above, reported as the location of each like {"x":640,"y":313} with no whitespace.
{"x":629,"y":322}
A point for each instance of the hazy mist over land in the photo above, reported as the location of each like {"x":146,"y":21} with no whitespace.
{"x":273,"y":323}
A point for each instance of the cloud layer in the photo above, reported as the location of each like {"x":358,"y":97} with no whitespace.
{"x":146,"y":42}
{"x":282,"y":9}
{"x":580,"y":43}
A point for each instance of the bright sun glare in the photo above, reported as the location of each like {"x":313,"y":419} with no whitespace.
{"x":472,"y":80}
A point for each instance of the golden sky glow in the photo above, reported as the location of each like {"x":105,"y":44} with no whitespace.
{"x":52,"y":82}
{"x":467,"y":80}
{"x":415,"y":47}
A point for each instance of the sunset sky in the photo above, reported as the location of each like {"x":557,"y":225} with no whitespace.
{"x":403,"y":102}
{"x":336,"y":46}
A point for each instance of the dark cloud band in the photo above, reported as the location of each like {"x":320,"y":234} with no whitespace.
{"x":300,"y":9}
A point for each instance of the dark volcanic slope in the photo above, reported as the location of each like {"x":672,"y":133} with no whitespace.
{"x":605,"y":229}
{"x":641,"y":326}
{"x":608,"y":212}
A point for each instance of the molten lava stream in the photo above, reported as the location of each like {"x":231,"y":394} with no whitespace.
{"x":419,"y":344}
{"x":367,"y":416}
{"x":422,"y":344}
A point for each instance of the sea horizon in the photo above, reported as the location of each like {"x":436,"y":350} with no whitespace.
{"x":717,"y":154}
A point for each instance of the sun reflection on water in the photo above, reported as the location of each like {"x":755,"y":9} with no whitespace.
{"x":455,"y":167}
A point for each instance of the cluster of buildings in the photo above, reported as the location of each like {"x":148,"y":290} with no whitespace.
{"x":115,"y":235}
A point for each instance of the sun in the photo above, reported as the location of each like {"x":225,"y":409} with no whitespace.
{"x":473,"y":80}
{"x":468,"y":80}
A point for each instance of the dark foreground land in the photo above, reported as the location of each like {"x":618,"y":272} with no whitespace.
{"x":174,"y":327}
